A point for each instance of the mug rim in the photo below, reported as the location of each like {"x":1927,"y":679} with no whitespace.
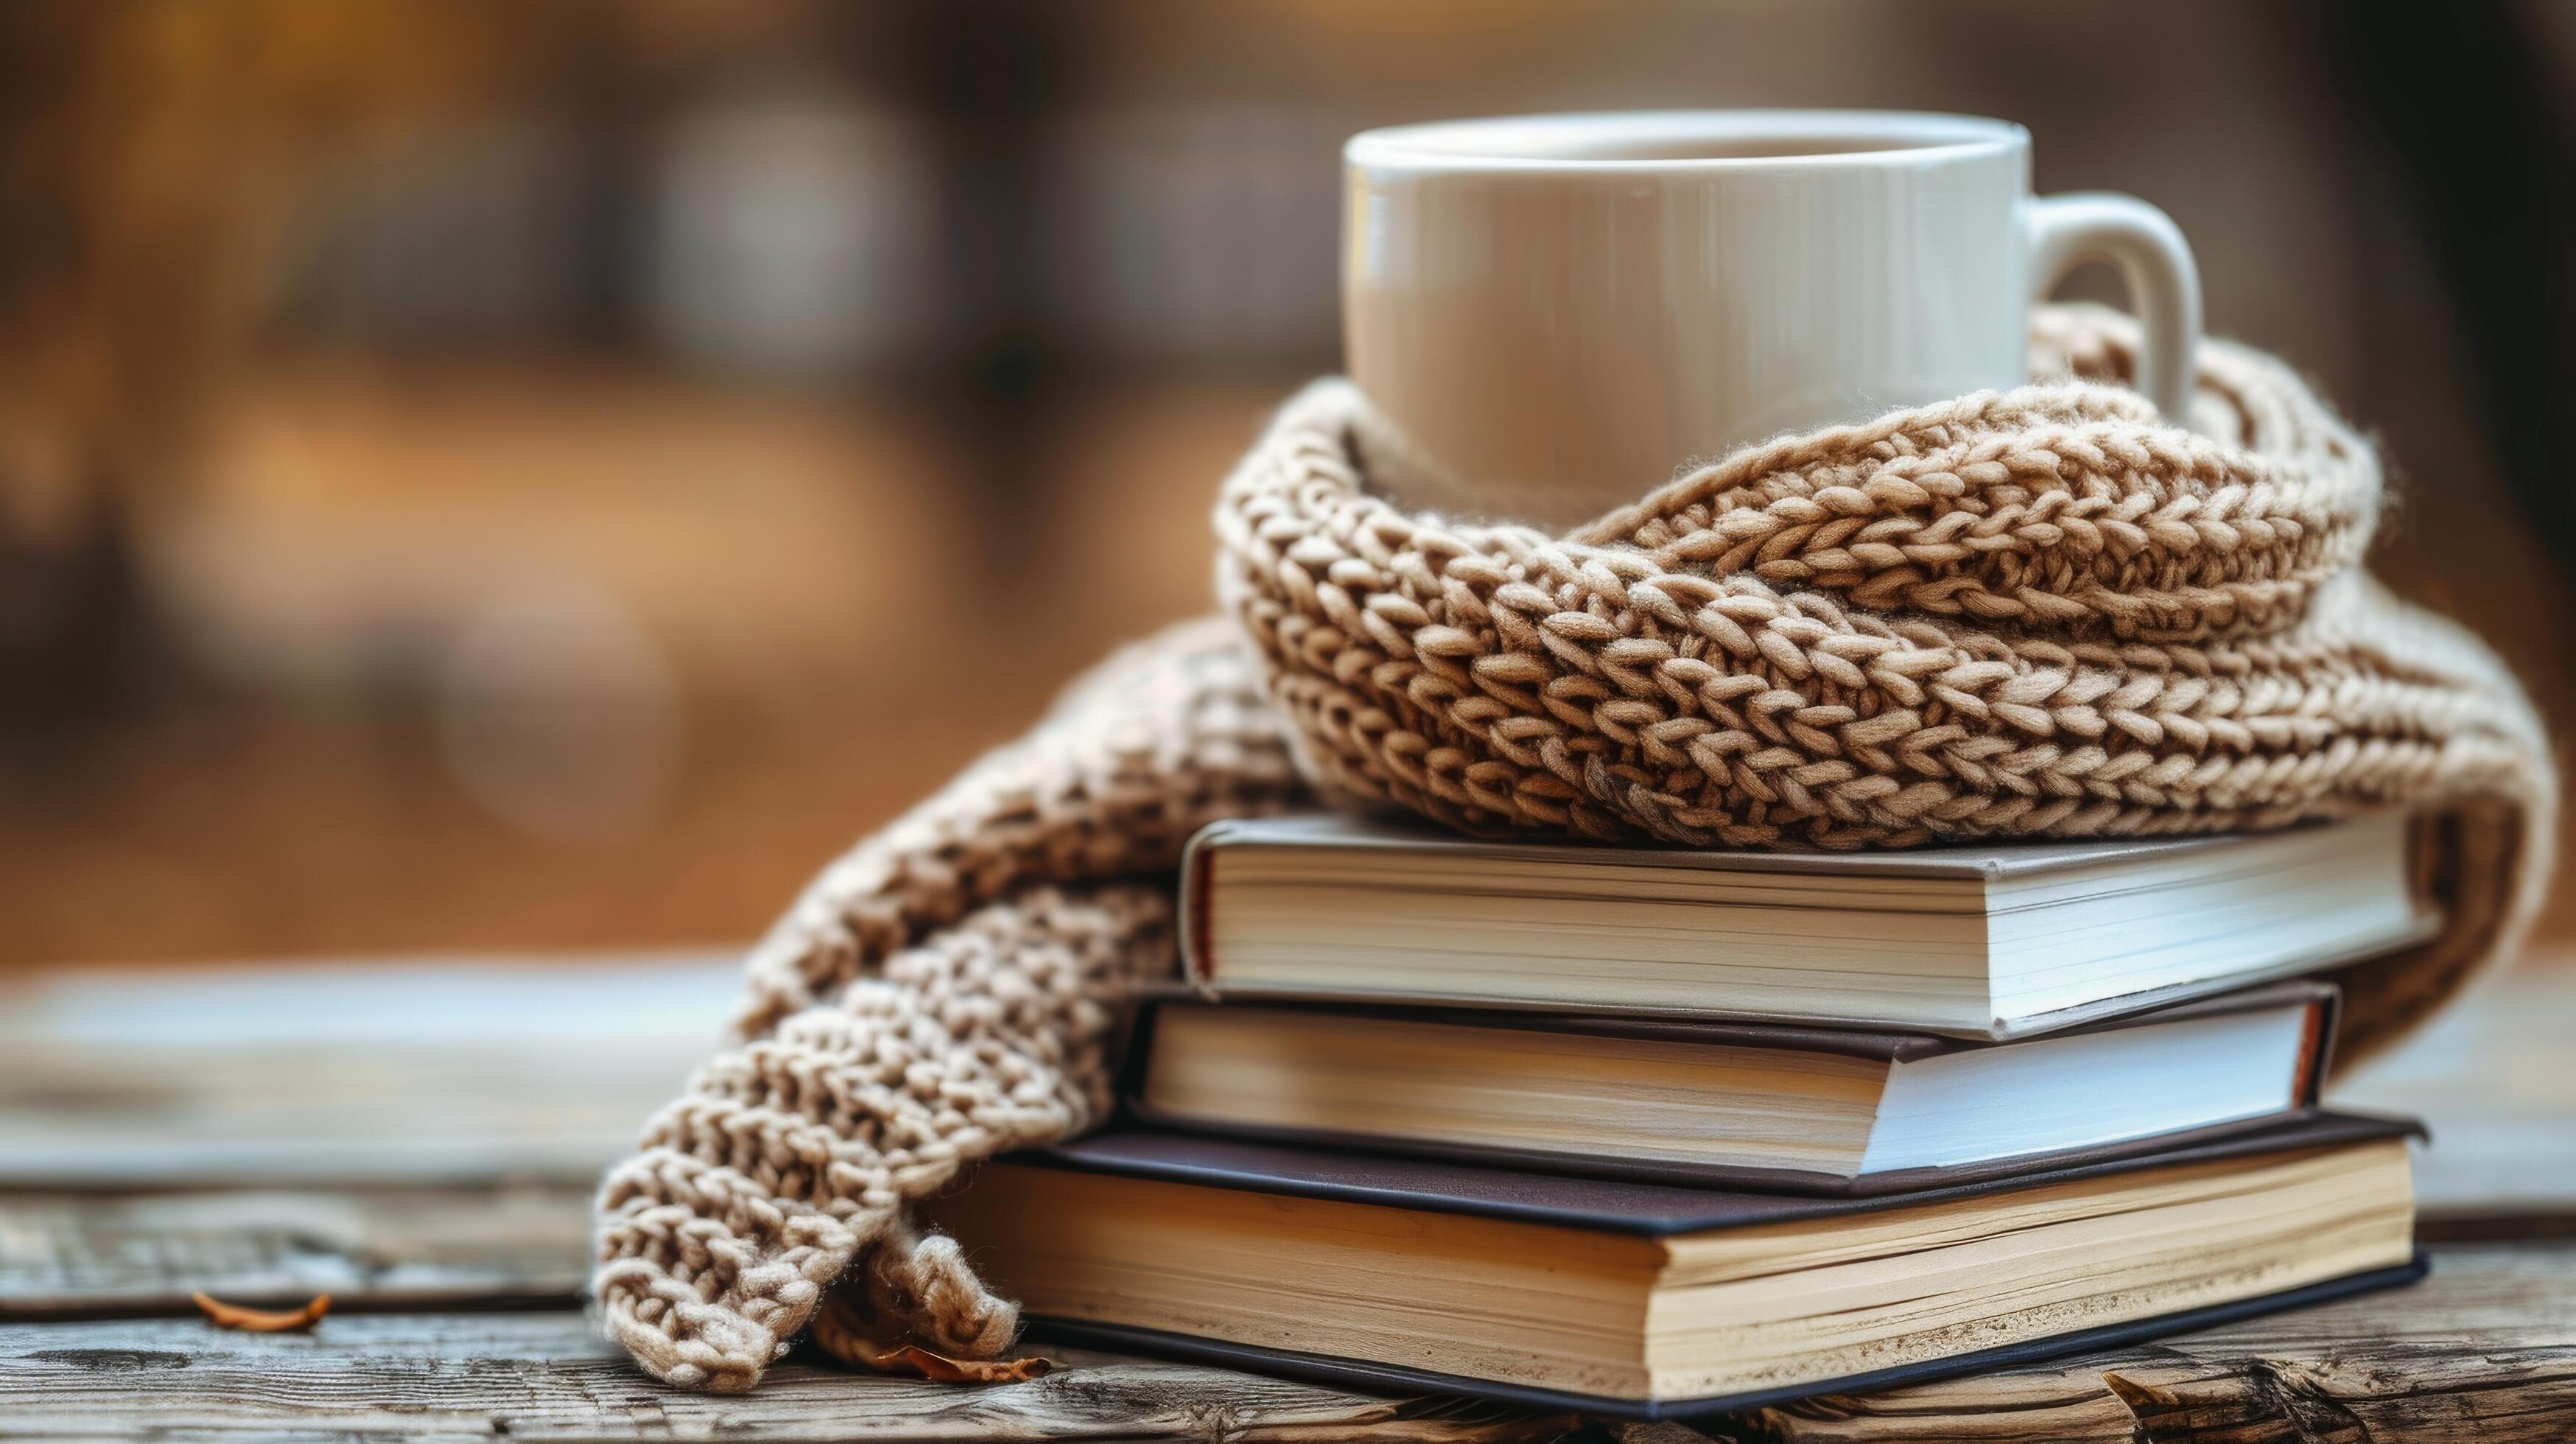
{"x":1482,"y":143}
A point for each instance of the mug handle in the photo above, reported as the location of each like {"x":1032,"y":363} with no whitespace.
{"x":2164,"y":282}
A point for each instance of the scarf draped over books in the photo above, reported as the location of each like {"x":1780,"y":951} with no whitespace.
{"x":2049,"y":613}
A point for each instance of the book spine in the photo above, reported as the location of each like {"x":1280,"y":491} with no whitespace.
{"x":1198,"y":964}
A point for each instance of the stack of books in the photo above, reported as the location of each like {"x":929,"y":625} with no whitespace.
{"x":1654,"y":1133}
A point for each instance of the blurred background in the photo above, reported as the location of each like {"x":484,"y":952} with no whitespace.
{"x":487,"y":475}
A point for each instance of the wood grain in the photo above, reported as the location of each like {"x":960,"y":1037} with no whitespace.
{"x":70,"y":1255}
{"x":468,"y":1071}
{"x":2485,"y":1349}
{"x":549,"y":1376}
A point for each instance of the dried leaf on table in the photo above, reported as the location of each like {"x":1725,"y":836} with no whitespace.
{"x":848,"y":1329}
{"x":262,"y":1321}
{"x":914,"y":1359}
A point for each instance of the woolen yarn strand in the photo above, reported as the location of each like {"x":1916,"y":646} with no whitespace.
{"x":2045,"y":613}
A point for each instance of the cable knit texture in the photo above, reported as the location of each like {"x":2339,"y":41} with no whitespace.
{"x":2048,"y":613}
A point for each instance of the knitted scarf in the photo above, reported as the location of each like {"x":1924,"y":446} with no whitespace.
{"x":2047,"y":613}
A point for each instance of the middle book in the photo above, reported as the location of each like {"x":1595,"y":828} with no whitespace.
{"x":1792,"y":1109}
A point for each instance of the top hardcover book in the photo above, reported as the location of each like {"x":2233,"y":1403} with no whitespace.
{"x":1979,"y":942}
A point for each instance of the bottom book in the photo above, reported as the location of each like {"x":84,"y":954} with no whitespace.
{"x":1650,"y":1300}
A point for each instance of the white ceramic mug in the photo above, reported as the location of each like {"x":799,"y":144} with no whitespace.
{"x":1553,"y":314}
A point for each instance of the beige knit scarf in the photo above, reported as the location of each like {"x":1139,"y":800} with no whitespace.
{"x":2048,"y":613}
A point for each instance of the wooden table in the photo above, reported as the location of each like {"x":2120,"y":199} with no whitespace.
{"x":419,"y":1139}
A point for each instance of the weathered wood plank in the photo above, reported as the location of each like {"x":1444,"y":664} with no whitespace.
{"x":374,"y":1072}
{"x":76,"y":1254}
{"x":548,"y":1376}
{"x":2485,"y":1349}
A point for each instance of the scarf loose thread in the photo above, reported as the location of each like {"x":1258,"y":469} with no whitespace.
{"x":2046,"y":613}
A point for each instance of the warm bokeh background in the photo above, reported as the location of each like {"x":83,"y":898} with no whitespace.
{"x":477,"y":474}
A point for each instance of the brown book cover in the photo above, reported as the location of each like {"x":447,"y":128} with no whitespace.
{"x":2323,"y":999}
